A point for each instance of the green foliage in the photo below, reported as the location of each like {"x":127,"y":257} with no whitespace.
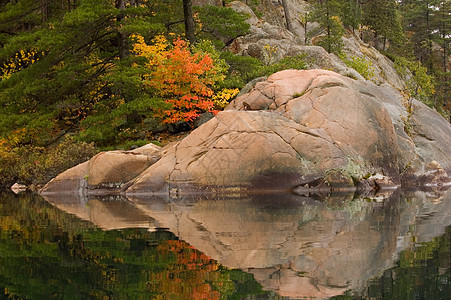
{"x":290,"y":62}
{"x":69,"y":66}
{"x":421,"y":270}
{"x":220,"y":24}
{"x":383,"y":18}
{"x":427,"y":24}
{"x":240,"y":69}
{"x":115,"y":120}
{"x":29,"y":164}
{"x":351,"y":14}
{"x":361,"y":65}
{"x":245,"y":68}
{"x":419,"y":84}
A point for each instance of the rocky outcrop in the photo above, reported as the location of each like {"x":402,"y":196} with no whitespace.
{"x":270,"y":41}
{"x":301,"y":130}
{"x":380,"y":67}
{"x":309,"y":130}
{"x":106,"y":172}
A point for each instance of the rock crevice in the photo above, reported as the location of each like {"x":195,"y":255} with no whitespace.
{"x":341,"y":134}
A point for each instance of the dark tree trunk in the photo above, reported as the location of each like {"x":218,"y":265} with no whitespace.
{"x":429,"y":37}
{"x":329,"y":46}
{"x":189,"y":20}
{"x":121,"y":37}
{"x":45,"y":10}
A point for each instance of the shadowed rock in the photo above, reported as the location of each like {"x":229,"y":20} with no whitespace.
{"x":105,"y":173}
{"x":302,"y":130}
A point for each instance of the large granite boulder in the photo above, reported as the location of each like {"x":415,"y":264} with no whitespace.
{"x":301,"y":130}
{"x":310,"y":129}
{"x":106,"y":172}
{"x":241,"y":149}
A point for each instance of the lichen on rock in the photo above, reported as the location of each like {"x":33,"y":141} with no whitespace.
{"x":302,"y":130}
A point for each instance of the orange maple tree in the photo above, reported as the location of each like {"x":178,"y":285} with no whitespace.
{"x":183,"y":79}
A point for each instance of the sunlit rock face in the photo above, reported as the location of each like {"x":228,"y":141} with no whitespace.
{"x":301,"y":130}
{"x":304,"y":129}
{"x":258,"y":150}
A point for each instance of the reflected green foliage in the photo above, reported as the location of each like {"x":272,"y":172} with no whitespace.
{"x":47,"y":254}
{"x":422,"y":272}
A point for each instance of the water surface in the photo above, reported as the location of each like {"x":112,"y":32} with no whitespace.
{"x":237,"y":247}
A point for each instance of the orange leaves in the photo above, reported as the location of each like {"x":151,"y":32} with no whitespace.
{"x":181,"y":78}
{"x":191,"y":276}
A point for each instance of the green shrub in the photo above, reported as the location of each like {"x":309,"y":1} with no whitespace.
{"x":240,"y":69}
{"x":419,"y":84}
{"x":290,"y":62}
{"x":361,"y":65}
{"x":245,"y":68}
{"x":30,"y":164}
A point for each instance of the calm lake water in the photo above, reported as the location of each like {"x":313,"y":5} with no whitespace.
{"x":238,"y":247}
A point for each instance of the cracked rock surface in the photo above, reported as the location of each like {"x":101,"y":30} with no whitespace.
{"x":296,"y":127}
{"x":105,"y":172}
{"x":299,"y":130}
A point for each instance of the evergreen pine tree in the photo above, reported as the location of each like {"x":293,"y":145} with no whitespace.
{"x":383,"y":18}
{"x":327,"y":14}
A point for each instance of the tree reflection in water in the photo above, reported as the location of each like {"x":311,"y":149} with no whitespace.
{"x":198,"y":248}
{"x":47,"y":253}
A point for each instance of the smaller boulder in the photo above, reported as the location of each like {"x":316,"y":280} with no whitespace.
{"x":17,"y":188}
{"x":106,"y":172}
{"x":71,"y":181}
{"x":114,"y":168}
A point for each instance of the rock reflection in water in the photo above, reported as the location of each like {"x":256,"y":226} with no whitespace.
{"x":296,"y":246}
{"x":107,"y":213}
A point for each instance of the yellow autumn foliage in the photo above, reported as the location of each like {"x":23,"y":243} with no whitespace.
{"x":154,"y":51}
{"x":19,"y":61}
{"x":222,"y":98}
